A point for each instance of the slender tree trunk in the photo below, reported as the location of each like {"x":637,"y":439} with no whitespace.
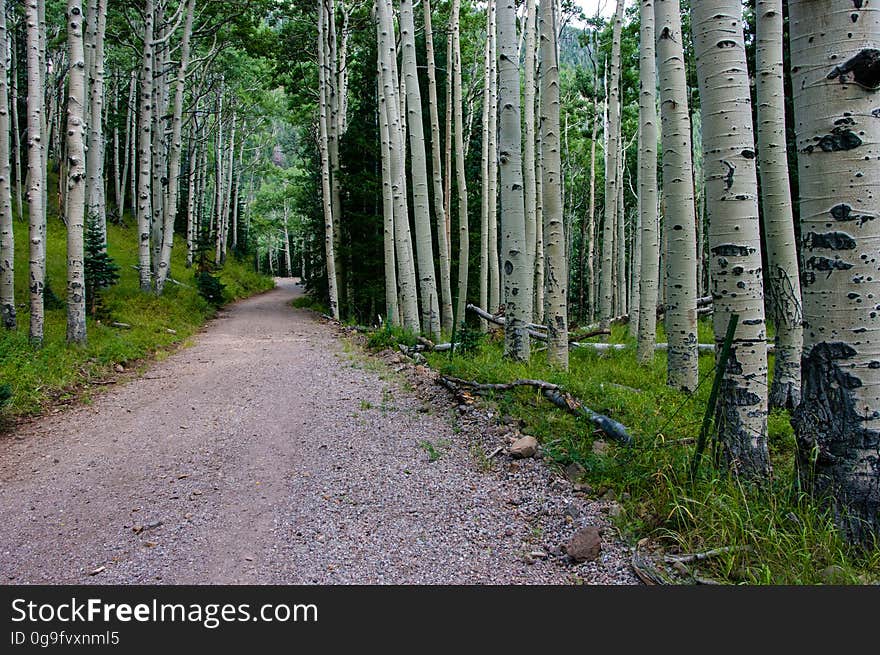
{"x":463,"y":227}
{"x":440,"y":212}
{"x":484,"y":170}
{"x":164,"y":268}
{"x":329,"y":246}
{"x":7,"y":239}
{"x":447,"y":191}
{"x":192,"y":189}
{"x":539,"y":278}
{"x":556,"y":260}
{"x":392,"y":310}
{"x":131,"y":164}
{"x":96,"y":208}
{"x":838,"y":421}
{"x":620,"y":284}
{"x":333,"y":136}
{"x":678,"y":199}
{"x":118,"y":188}
{"x":409,"y":309}
{"x":649,"y":277}
{"x":529,"y":188}
{"x":494,"y":260}
{"x":612,"y":182}
{"x":734,"y":231}
{"x":145,"y":130}
{"x":419,"y":169}
{"x":16,"y":132}
{"x":782,"y":278}
{"x":76,"y":176}
{"x":513,"y":221}
{"x":36,"y":170}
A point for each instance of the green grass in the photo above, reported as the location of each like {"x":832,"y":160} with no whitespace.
{"x":778,"y":535}
{"x":57,"y":372}
{"x":307,"y":302}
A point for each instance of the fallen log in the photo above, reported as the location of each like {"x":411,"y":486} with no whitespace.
{"x":482,"y":313}
{"x":535,"y":330}
{"x":556,"y":395}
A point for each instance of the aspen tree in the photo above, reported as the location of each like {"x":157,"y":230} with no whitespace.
{"x":484,"y":170}
{"x":734,"y":232}
{"x":782,"y":278}
{"x":460,"y":175}
{"x":36,"y":170}
{"x":494,"y":260}
{"x":96,"y":208}
{"x":392,"y":312}
{"x":327,"y":201}
{"x":145,"y":150}
{"x":530,"y":30}
{"x":835,"y":82}
{"x":679,"y":222}
{"x":7,"y":239}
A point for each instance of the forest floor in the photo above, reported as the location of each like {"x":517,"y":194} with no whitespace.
{"x":274,"y":450}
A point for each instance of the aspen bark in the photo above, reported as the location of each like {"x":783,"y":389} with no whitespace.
{"x":678,"y":199}
{"x":36,"y":170}
{"x":392,"y":311}
{"x":16,"y":133}
{"x":649,"y":277}
{"x":460,"y":175}
{"x":513,"y":221}
{"x":145,"y":151}
{"x":835,"y":82}
{"x":530,"y":29}
{"x":782,"y":278}
{"x":7,"y":239}
{"x":555,"y":255}
{"x":96,"y":208}
{"x":164,"y":267}
{"x":612,"y":139}
{"x":76,"y":176}
{"x":734,"y":232}
{"x":494,"y":260}
{"x":484,"y":170}
{"x":406,"y":275}
{"x":419,"y":168}
{"x":323,"y":120}
{"x":437,"y":178}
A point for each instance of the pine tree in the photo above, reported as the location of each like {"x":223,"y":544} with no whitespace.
{"x":101,"y":272}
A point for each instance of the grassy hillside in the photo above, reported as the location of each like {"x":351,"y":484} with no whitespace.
{"x":56,"y":372}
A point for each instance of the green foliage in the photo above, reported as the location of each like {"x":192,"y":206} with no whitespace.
{"x":210,"y":288}
{"x":469,"y":339}
{"x":778,"y":535}
{"x":101,"y":272}
{"x":389,"y":336}
{"x":5,"y":394}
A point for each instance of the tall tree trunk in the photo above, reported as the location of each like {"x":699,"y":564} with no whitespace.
{"x":494,"y":260}
{"x":620,"y":284}
{"x":734,"y":231}
{"x":16,"y":131}
{"x":460,"y":175}
{"x":333,"y":136}
{"x":649,"y":277}
{"x":419,"y":169}
{"x":76,"y":176}
{"x":437,"y":177}
{"x":323,"y":120}
{"x":555,"y":258}
{"x":513,"y":221}
{"x":392,"y":309}
{"x":782,"y":278}
{"x":529,"y":189}
{"x":484,"y":170}
{"x":606,"y":308}
{"x":145,"y":141}
{"x":175,"y":150}
{"x":192,"y":190}
{"x":36,"y":170}
{"x":7,"y":239}
{"x":838,"y":421}
{"x":409,"y":308}
{"x":97,"y":207}
{"x":678,"y":199}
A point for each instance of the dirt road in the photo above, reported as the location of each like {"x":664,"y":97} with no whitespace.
{"x":265,"y":453}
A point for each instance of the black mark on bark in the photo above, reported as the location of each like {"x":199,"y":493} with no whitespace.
{"x":829,"y":240}
{"x":863,"y":69}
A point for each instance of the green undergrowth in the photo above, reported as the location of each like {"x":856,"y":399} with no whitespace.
{"x":775,"y":535}
{"x":307,"y":302}
{"x":57,"y":373}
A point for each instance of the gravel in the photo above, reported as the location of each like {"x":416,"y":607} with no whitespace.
{"x":274,"y":451}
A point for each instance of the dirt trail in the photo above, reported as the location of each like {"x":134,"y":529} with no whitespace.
{"x":263,"y":454}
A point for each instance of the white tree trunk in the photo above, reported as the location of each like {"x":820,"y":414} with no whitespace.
{"x":782,"y":278}
{"x":678,"y":200}
{"x":76,"y":176}
{"x":494,"y":260}
{"x":323,"y":120}
{"x":7,"y":239}
{"x":555,"y":257}
{"x":145,"y":150}
{"x":612,"y":139}
{"x":419,"y":168}
{"x":406,"y":280}
{"x":36,"y":170}
{"x":513,"y":221}
{"x":835,"y":81}
{"x":734,"y":231}
{"x":97,"y":207}
{"x":392,"y":310}
{"x":530,"y":29}
{"x":437,"y":177}
{"x":164,"y":267}
{"x":460,"y":175}
{"x":649,"y":276}
{"x":484,"y":170}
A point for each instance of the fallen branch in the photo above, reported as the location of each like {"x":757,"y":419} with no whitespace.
{"x":538,"y":331}
{"x":699,"y":557}
{"x":482,"y":313}
{"x":117,"y":324}
{"x":556,"y":395}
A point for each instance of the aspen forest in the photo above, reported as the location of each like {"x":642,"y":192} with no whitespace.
{"x":619,"y":257}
